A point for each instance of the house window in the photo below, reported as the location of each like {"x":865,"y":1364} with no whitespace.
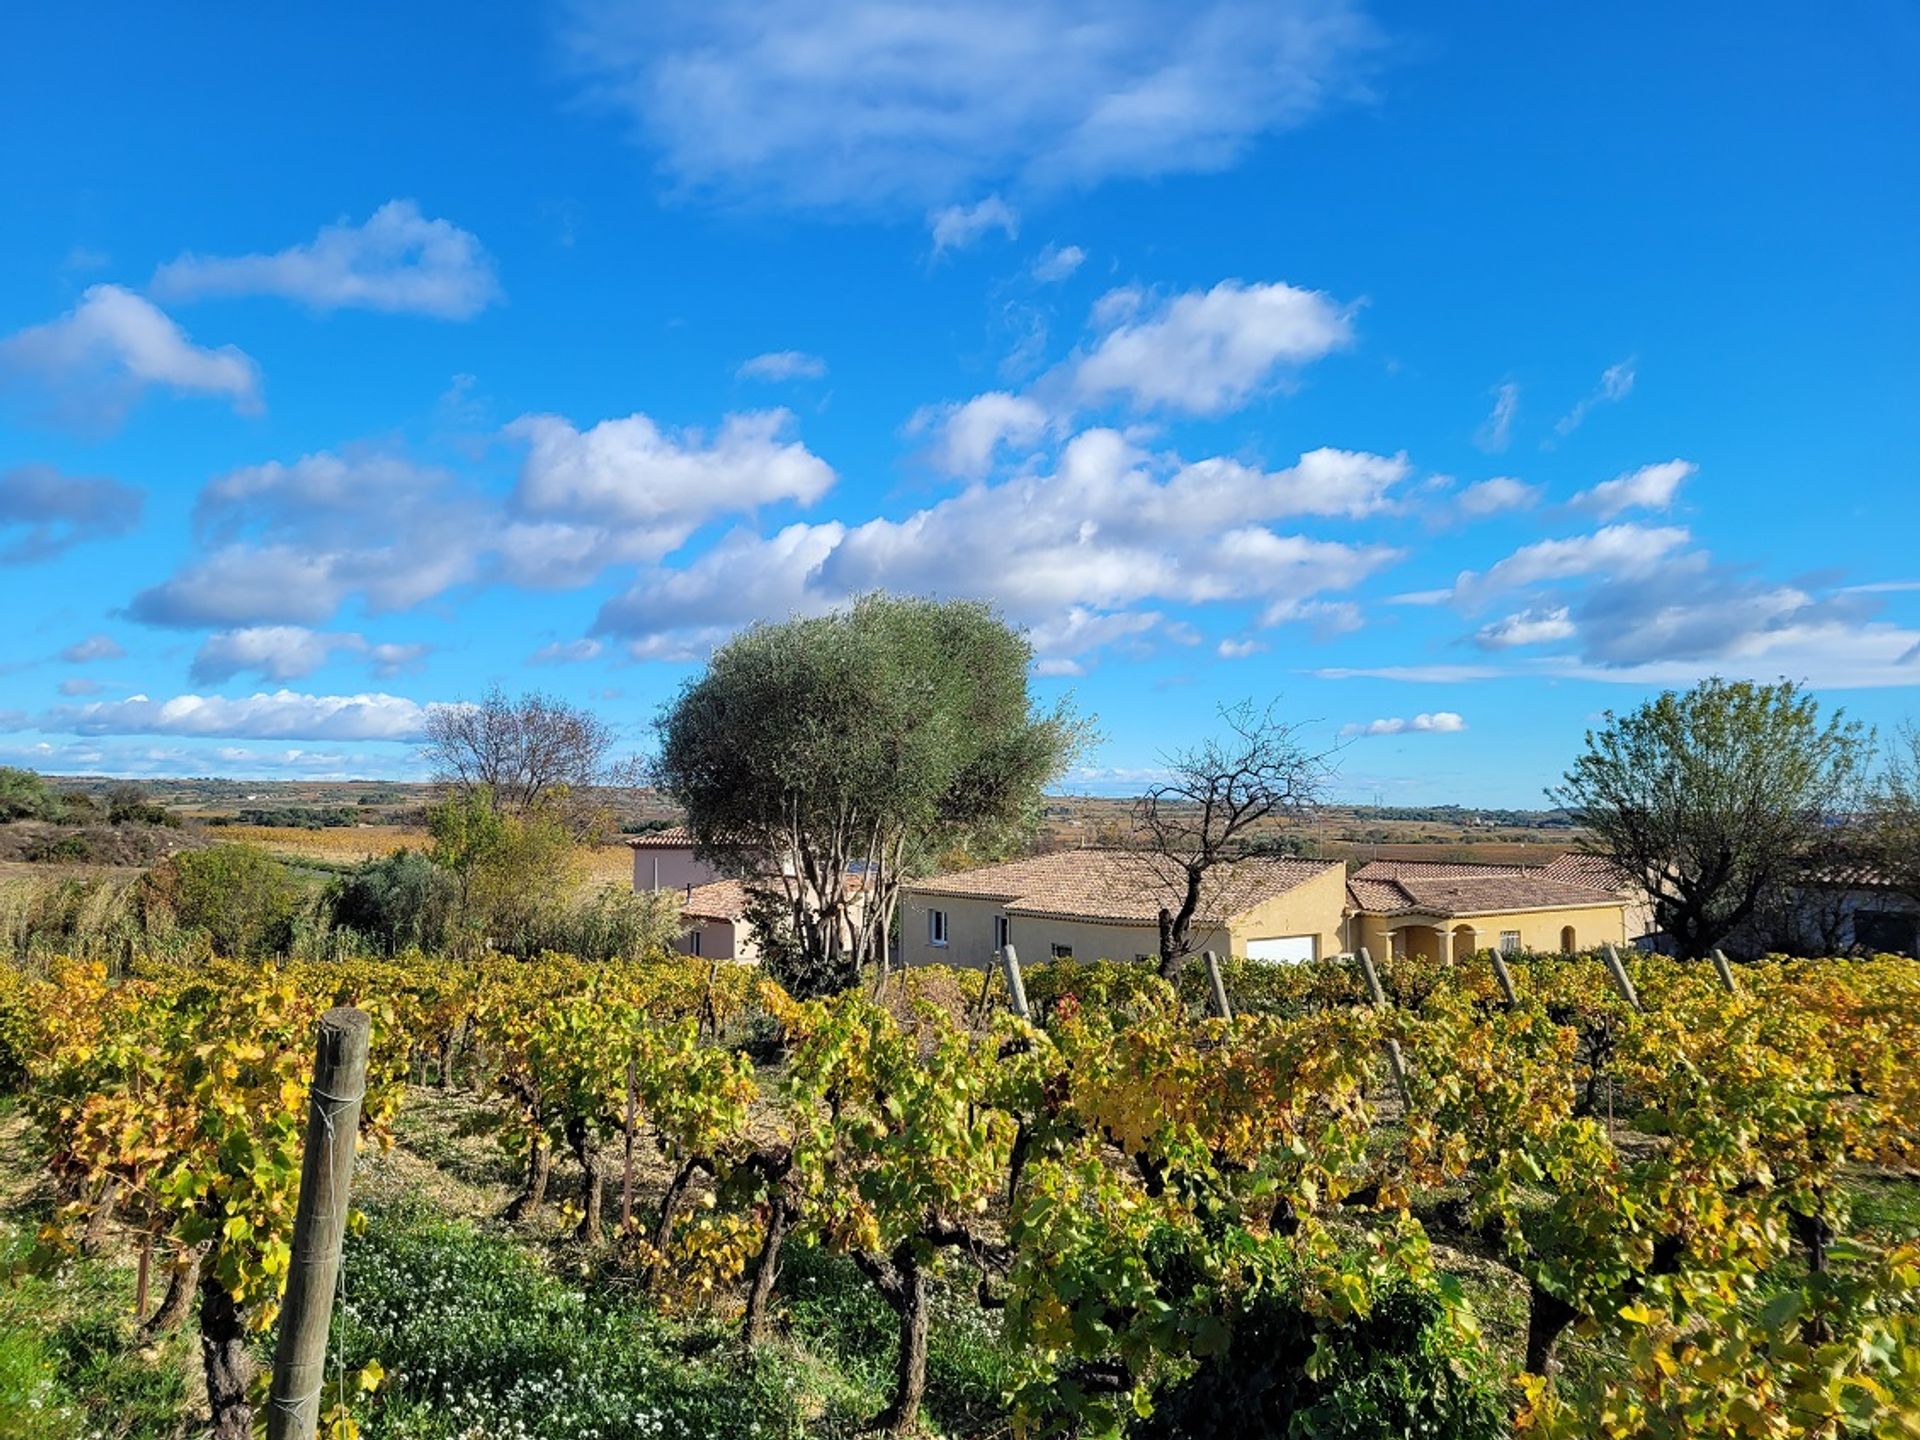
{"x":693,"y":942}
{"x":1063,"y":952}
{"x":1002,"y":932}
{"x":936,"y":927}
{"x":1509,"y":942}
{"x":1141,"y":957}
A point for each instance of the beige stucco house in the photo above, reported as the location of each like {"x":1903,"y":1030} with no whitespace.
{"x":713,"y":907}
{"x":1105,"y":904}
{"x":1097,"y":904}
{"x":1412,"y":908}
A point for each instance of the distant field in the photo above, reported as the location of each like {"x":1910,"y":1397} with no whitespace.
{"x":605,"y":863}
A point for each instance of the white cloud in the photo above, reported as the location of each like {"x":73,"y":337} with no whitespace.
{"x":1239,"y":649}
{"x":397,"y":261}
{"x":1526,"y":627}
{"x":289,"y":544}
{"x":1497,"y":496}
{"x":1651,"y":487}
{"x":1616,"y":383}
{"x":94,"y":647}
{"x":1440,"y":722}
{"x":274,"y":652}
{"x":968,"y":437}
{"x":894,"y":105}
{"x":566,"y":652}
{"x":778,"y":365}
{"x":1497,"y":429}
{"x":288,"y":652}
{"x":282,"y":715}
{"x":1106,"y":531}
{"x":1056,"y":262}
{"x":79,"y":685}
{"x":961,"y":227}
{"x":1616,"y":551}
{"x":1205,"y":352}
{"x":44,"y":512}
{"x":93,"y":363}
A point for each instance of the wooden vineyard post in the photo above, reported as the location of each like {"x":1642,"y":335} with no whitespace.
{"x":1504,"y":977}
{"x":626,"y":1166}
{"x":1217,"y":985}
{"x":320,"y":1222}
{"x":1621,"y":981}
{"x":1378,"y":996}
{"x":1016,"y":987}
{"x":1724,"y":971}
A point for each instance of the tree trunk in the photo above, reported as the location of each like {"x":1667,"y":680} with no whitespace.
{"x":181,"y":1285}
{"x":589,"y":1229}
{"x":766,"y":1272}
{"x":533,"y":1192}
{"x":229,"y":1365}
{"x":1547,"y":1317}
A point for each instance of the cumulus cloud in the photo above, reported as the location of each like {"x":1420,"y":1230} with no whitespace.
{"x":1206,"y":352}
{"x":280,"y":715}
{"x":783,"y":365}
{"x":92,"y":364}
{"x":290,"y":543}
{"x":1231,"y":649}
{"x":961,"y":227}
{"x":1616,"y":383}
{"x":289,"y":652}
{"x":1651,"y":487}
{"x":94,"y":647}
{"x":287,"y":544}
{"x":1108,"y":531}
{"x":1496,"y":431}
{"x":1439,"y":722}
{"x":44,"y":512}
{"x":397,"y":260}
{"x":894,"y":105}
{"x":1526,"y":627}
{"x":1497,"y":496}
{"x":1056,"y":262}
{"x":1627,"y":550}
{"x":79,"y":685}
{"x":967,"y":438}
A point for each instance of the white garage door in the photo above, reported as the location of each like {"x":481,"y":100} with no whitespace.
{"x":1283,"y":948}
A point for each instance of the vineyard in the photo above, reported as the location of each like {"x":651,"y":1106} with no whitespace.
{"x":1568,"y":1211}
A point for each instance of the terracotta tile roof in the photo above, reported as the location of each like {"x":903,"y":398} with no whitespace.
{"x":1122,"y":886}
{"x":1481,"y":891}
{"x":1435,"y":869}
{"x":675,"y":838}
{"x":1583,"y":869}
{"x":718,"y":900}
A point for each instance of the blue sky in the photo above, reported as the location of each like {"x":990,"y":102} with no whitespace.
{"x":1447,"y":375}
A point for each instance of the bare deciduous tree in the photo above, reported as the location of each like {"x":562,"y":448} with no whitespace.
{"x":529,"y":754}
{"x":1208,"y":812}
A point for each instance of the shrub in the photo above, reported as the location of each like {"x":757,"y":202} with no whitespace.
{"x":130,"y":805}
{"x":401,"y":901}
{"x":242,"y":897}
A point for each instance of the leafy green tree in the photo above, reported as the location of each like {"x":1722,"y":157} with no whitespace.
{"x":512,"y":871}
{"x":832,"y":757}
{"x":242,"y":897}
{"x":24,"y":796}
{"x":1709,"y":797}
{"x":129,"y":804}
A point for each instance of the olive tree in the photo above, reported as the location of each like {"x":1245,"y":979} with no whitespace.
{"x":1711,"y":798}
{"x":1893,"y":815}
{"x":1216,"y":808}
{"x":829,"y":758}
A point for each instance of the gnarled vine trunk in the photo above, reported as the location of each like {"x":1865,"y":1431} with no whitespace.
{"x":533,"y":1189}
{"x":182,"y":1283}
{"x":228,"y":1362}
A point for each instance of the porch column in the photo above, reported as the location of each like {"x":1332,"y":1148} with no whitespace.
{"x":1444,"y":932}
